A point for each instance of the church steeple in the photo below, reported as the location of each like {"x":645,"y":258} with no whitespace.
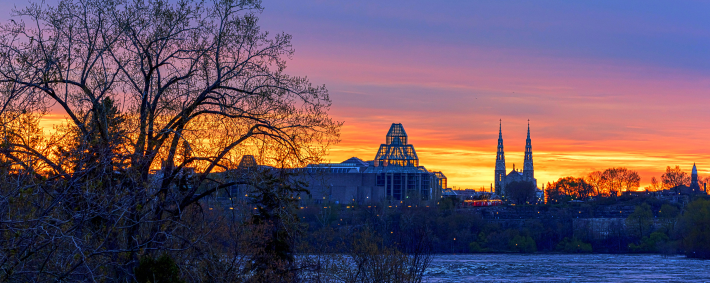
{"x":528,"y":170}
{"x":694,"y":180}
{"x":500,"y":163}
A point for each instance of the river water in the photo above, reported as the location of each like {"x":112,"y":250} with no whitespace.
{"x":566,"y":268}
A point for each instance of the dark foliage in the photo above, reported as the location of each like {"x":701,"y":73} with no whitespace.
{"x":612,"y":225}
{"x":521,"y":192}
{"x":273,"y":198}
{"x":696,"y":229}
{"x":569,"y":188}
{"x":573,"y":245}
{"x":161,"y":270}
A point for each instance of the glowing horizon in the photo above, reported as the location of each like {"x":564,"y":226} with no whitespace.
{"x":604,"y":84}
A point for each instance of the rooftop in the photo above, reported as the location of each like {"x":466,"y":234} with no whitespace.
{"x":396,"y":151}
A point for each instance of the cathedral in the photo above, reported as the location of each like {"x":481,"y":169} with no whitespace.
{"x":527,"y":174}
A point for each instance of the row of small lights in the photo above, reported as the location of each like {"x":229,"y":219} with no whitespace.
{"x":304,"y":207}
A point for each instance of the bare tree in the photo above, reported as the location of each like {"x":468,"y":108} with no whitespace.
{"x":655,"y":184}
{"x":158,"y":97}
{"x":616,"y":180}
{"x":674,"y":177}
{"x":611,"y":180}
{"x":703,"y":182}
{"x":630,"y":180}
{"x":574,"y":188}
{"x":372,"y":261}
{"x":594,"y":179}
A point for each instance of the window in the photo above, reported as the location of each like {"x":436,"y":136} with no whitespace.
{"x":380,"y":179}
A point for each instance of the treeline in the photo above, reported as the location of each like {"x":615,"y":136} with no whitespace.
{"x":654,"y":226}
{"x":613,"y":182}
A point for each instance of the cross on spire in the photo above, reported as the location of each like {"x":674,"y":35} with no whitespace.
{"x":500,"y":129}
{"x":528,"y":129}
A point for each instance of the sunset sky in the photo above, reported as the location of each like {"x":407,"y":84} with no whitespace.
{"x":604,"y":83}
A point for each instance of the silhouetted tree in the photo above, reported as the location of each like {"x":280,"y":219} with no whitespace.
{"x":553,"y":194}
{"x":703,"y":182}
{"x":594,"y":179}
{"x":655,"y":184}
{"x":630,"y":180}
{"x":571,"y":188}
{"x":674,"y":177}
{"x":272,"y":196}
{"x":158,"y":270}
{"x":520,"y":192}
{"x":159,"y":97}
{"x":616,"y":180}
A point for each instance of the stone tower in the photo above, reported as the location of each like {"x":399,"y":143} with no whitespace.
{"x":528,"y":171}
{"x":694,"y":186}
{"x":500,"y":163}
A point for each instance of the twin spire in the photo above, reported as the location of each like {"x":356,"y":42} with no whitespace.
{"x":500,"y":156}
{"x":500,"y":172}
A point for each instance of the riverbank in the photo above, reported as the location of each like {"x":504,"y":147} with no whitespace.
{"x":565,"y":268}
{"x":637,"y":225}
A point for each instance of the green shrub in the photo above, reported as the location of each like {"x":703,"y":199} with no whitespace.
{"x":650,"y":244}
{"x":640,"y":223}
{"x":573,"y":245}
{"x":696,"y":229}
{"x":522,"y":244}
{"x":475,"y":248}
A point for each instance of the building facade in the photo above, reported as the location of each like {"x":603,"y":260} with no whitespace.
{"x":393,"y":176}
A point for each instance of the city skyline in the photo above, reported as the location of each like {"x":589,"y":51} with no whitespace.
{"x":605,"y":84}
{"x":299,"y":141}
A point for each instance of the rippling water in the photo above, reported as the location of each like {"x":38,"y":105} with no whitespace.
{"x":566,"y":268}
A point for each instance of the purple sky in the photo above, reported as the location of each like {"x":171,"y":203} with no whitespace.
{"x":604,"y":83}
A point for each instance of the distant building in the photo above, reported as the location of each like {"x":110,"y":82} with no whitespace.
{"x":393,"y":176}
{"x":469,"y":194}
{"x":449,"y":193}
{"x":528,"y":173}
{"x":694,"y":188}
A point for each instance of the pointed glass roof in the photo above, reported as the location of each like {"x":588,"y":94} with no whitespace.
{"x":396,"y":151}
{"x":247,"y":162}
{"x":396,"y":135}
